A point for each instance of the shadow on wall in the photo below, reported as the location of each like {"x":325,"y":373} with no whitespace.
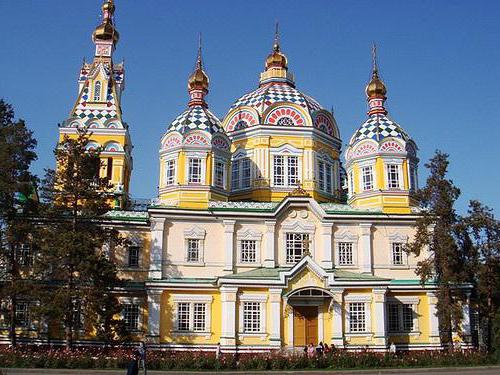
{"x":169,"y":270}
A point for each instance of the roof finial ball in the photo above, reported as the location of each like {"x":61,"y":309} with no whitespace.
{"x":276,"y":59}
{"x":375,"y":90}
{"x":198,"y":81}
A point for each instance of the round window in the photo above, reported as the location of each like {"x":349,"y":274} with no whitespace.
{"x":286,"y":121}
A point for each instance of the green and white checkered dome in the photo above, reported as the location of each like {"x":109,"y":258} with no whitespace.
{"x":196,"y":118}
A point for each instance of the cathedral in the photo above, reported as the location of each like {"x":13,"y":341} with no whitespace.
{"x":264,"y":234}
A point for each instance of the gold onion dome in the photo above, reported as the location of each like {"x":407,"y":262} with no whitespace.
{"x":376,"y":87}
{"x":106,"y":30}
{"x":276,"y":59}
{"x":198,"y":80}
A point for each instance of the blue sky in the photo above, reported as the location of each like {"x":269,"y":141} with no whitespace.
{"x":439,"y":59}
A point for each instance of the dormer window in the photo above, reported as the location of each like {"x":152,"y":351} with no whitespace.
{"x":97,"y":91}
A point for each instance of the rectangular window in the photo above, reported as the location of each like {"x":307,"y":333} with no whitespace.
{"x":240,"y":174}
{"x":293,"y":170}
{"x":131,"y":317}
{"x":251,"y":317}
{"x":199,"y":317}
{"x":22,"y":315}
{"x":220,"y":174}
{"x":194,"y":171}
{"x":193,"y":250}
{"x":321,"y":175}
{"x":413,"y":177}
{"x":351,"y":184}
{"x":407,"y":311}
{"x":24,"y":254}
{"x":400,"y":317}
{"x":296,"y":245}
{"x":345,"y":253}
{"x":393,"y":176}
{"x":357,"y":317}
{"x":235,"y":175}
{"x":248,"y":251}
{"x":133,"y":256}
{"x":279,"y":170}
{"x":397,"y":253}
{"x":245,"y":173}
{"x":170,"y":172}
{"x":183,"y":316}
{"x":393,"y":317}
{"x":367,"y":173}
{"x":329,"y":178}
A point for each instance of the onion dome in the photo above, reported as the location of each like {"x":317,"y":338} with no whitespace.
{"x":197,"y":116}
{"x":106,"y":30}
{"x":276,"y":59}
{"x":378,"y":126}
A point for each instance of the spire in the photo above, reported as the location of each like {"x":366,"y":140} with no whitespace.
{"x":198,"y":81}
{"x":105,"y":36}
{"x":276,"y":45}
{"x":276,"y":64}
{"x":375,"y":90}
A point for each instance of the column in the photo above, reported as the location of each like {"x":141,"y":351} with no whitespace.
{"x":229,"y":244}
{"x":228,"y":299}
{"x":275,"y":318}
{"x":433,"y":319}
{"x":337,"y":318}
{"x":326,"y":237}
{"x":156,"y":254}
{"x":366,"y":247}
{"x":154,"y":302}
{"x":380,"y":319}
{"x":269,"y":261}
{"x":466,"y":320}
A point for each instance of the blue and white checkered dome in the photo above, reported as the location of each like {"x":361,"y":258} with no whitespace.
{"x":196,"y":118}
{"x":378,"y":127}
{"x":276,"y":92}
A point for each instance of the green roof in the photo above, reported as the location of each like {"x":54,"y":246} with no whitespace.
{"x":189,"y":280}
{"x":259,"y":273}
{"x":347,"y":275}
{"x":411,"y":282}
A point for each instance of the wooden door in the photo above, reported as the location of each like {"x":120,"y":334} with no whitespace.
{"x":305,"y":325}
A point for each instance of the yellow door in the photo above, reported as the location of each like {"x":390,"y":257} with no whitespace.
{"x":305,"y":325}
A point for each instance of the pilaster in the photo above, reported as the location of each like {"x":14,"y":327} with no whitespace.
{"x":228,"y":318}
{"x":433,"y":319}
{"x":275,"y":329}
{"x":326,"y":237}
{"x":366,"y":247}
{"x":337,"y":318}
{"x":379,"y":298}
{"x":229,"y":244}
{"x":156,"y":253}
{"x":154,"y":302}
{"x":269,"y":257}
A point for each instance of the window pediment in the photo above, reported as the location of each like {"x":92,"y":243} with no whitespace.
{"x":299,"y":226}
{"x":346,"y":236}
{"x":249,"y":234}
{"x":195,"y":232}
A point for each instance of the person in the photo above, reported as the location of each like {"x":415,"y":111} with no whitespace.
{"x":320,"y":348}
{"x":310,"y":350}
{"x":327,"y":348}
{"x":305,"y":350}
{"x":217,"y":351}
{"x":392,"y":348}
{"x":142,"y":361}
{"x":133,"y":366}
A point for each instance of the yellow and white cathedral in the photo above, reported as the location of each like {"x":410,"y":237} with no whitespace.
{"x":252,"y":242}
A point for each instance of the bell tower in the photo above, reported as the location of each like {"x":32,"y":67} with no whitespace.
{"x":98,"y":108}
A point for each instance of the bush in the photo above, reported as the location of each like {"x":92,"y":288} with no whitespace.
{"x":118,"y":358}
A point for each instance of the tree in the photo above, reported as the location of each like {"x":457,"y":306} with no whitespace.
{"x":16,"y":187}
{"x":73,"y":261}
{"x":436,"y":230}
{"x":481,"y":244}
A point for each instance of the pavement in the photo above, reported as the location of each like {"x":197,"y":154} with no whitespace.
{"x":486,"y":370}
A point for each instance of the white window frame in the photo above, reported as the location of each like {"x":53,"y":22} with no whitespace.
{"x":134,"y":246}
{"x":390,"y":184}
{"x":173,"y":178}
{"x":395,"y":239}
{"x":297,"y":227}
{"x":224,"y":173}
{"x":26,"y":312}
{"x":346,"y":237}
{"x":364,"y":164}
{"x":194,"y":233}
{"x":97,"y":91}
{"x":286,"y":151}
{"x":366,"y":300}
{"x":137,"y":322}
{"x":364,"y":185}
{"x":257,"y":298}
{"x":249,"y":235}
{"x":203,"y":157}
{"x":136,"y":301}
{"x":324,"y":163}
{"x":399,"y":301}
{"x":191,"y":300}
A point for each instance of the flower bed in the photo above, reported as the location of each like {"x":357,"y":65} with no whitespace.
{"x":115,"y":358}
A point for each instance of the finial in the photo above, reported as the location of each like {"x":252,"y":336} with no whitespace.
{"x":276,"y":45}
{"x":199,"y":61}
{"x":374,"y":59}
{"x":375,"y":90}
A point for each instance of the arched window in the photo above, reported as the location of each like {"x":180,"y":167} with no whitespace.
{"x":97,"y":91}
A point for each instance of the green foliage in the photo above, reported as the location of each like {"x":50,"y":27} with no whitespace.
{"x":436,"y":232}
{"x":17,"y":186}
{"x":73,"y":264}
